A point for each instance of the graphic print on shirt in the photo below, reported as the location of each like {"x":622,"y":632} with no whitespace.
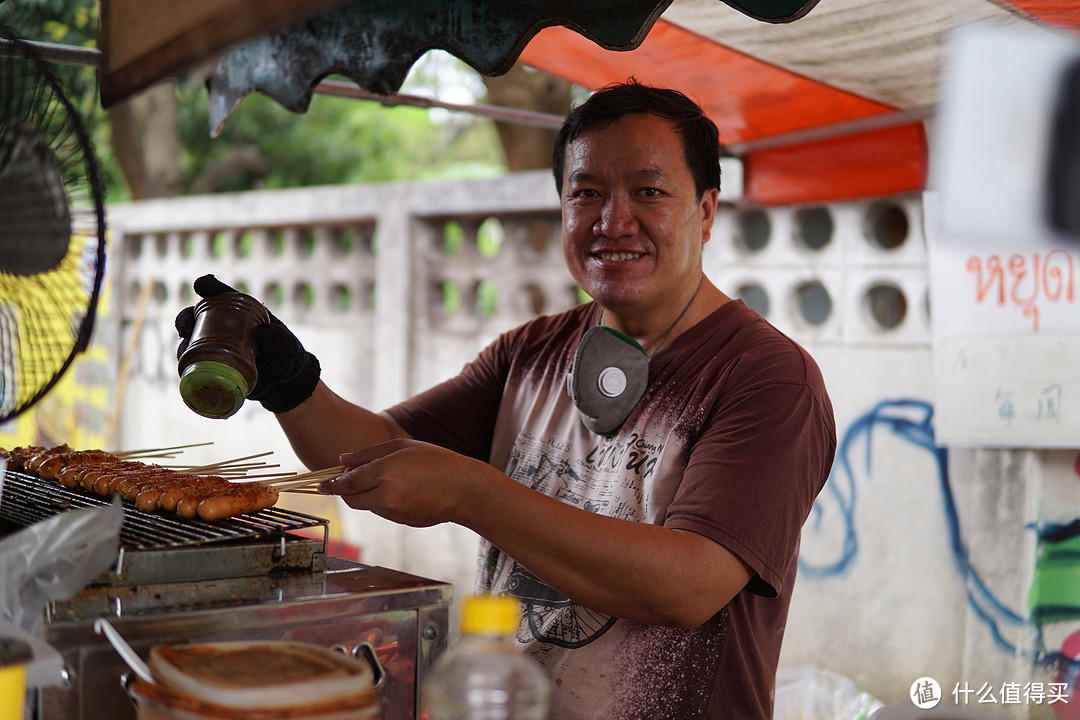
{"x":551,"y":617}
{"x":609,"y":478}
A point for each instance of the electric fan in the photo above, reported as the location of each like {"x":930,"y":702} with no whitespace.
{"x":52,"y":229}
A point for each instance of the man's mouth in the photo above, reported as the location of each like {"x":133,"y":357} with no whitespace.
{"x":619,"y":256}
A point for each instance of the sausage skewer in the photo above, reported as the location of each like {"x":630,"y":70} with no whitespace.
{"x":149,"y":487}
{"x":22,"y":456}
{"x":236,"y":499}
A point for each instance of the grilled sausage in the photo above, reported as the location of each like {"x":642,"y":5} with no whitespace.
{"x":130,"y":487}
{"x":149,"y":494}
{"x":107,"y":481}
{"x":18,"y":456}
{"x":51,"y":467}
{"x":203,"y":488}
{"x":31,"y":464}
{"x":239,"y":499}
{"x":70,"y":476}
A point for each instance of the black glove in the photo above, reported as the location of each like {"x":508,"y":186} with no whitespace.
{"x":288,"y":374}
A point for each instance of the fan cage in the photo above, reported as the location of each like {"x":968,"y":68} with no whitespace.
{"x":46,"y":319}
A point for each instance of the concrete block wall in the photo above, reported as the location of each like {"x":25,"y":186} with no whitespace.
{"x":917,"y":560}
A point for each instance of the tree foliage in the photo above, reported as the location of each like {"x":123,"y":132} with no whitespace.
{"x":337,"y":140}
{"x":264,"y":145}
{"x":62,"y":22}
{"x":74,"y":23}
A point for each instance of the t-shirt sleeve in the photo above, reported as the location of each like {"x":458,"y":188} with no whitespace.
{"x":460,"y":413}
{"x":752,"y":477}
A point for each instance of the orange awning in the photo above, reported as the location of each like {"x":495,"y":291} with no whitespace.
{"x":830,"y":107}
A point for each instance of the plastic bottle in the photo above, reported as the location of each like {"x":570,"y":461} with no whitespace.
{"x":217,"y":369}
{"x":483,"y":676}
{"x":14,"y":654}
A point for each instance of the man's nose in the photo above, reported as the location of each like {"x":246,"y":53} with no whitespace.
{"x":616,"y":218}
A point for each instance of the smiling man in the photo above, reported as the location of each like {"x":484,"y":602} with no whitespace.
{"x":639,"y":467}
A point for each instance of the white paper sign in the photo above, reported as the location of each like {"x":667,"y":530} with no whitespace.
{"x":1004,"y":304}
{"x":1021,"y":391}
{"x":1006,"y":340}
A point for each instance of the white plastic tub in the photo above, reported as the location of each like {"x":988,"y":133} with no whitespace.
{"x":269,"y":680}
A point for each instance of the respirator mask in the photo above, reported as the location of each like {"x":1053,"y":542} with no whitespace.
{"x":608,"y":378}
{"x":610,"y":374}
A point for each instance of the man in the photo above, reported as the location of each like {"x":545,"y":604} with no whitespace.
{"x":639,"y":468}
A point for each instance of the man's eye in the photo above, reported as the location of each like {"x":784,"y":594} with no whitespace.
{"x":585,"y":193}
{"x":650,"y":192}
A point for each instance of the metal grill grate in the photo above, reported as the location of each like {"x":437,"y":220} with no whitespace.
{"x":27,"y":499}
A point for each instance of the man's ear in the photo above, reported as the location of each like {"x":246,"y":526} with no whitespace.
{"x":707,"y":208}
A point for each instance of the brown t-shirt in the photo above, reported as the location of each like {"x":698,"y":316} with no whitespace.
{"x":732,"y":440}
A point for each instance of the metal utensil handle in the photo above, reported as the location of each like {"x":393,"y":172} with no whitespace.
{"x":104,"y":627}
{"x":367,"y":651}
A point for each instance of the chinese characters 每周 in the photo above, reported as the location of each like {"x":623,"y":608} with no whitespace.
{"x":1045,"y":408}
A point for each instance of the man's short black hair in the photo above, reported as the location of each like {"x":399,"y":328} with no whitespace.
{"x":700,"y":137}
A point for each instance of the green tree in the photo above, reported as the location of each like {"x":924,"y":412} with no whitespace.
{"x":157,"y":143}
{"x":337,"y":140}
{"x":74,"y":23}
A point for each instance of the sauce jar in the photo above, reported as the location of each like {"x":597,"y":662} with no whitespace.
{"x":217,"y":369}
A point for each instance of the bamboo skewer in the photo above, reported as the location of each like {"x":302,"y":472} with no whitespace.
{"x":300,"y":484}
{"x":306,"y":480}
{"x":228,"y":469}
{"x":225,"y":463}
{"x":253,"y":478}
{"x":245,"y":469}
{"x":156,"y":452}
{"x":319,"y":474}
{"x":238,"y":469}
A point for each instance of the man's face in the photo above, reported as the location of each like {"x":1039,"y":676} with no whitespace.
{"x":633,"y":227}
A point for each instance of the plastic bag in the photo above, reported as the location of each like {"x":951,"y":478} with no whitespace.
{"x":54,"y":559}
{"x":809,"y":693}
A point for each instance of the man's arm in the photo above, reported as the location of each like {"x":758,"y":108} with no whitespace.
{"x":325,"y":425}
{"x":637,"y":571}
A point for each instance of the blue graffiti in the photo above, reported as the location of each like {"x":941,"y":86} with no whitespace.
{"x":911,"y":420}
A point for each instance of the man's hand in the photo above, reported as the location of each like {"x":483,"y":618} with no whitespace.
{"x":407,"y":481}
{"x":288,"y":374}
